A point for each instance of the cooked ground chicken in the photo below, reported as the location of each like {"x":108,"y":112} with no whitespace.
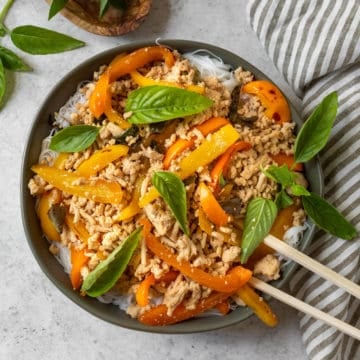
{"x":268,"y":268}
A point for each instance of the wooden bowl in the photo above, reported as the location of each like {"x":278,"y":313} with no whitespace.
{"x":85,"y":14}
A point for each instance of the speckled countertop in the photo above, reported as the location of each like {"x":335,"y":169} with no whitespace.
{"x":36,"y":320}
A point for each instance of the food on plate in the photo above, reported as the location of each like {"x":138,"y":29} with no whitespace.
{"x":145,"y":185}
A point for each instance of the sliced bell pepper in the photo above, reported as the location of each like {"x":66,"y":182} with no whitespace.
{"x":258,"y":305}
{"x":271,"y":98}
{"x":221,"y":166}
{"x":211,"y":207}
{"x":283,"y":159}
{"x":133,"y":207}
{"x":204,"y":224}
{"x":78,"y":260}
{"x":223,"y":307}
{"x":142,"y":292}
{"x":175,"y":150}
{"x":208,"y":151}
{"x":212,"y":124}
{"x":59,"y":162}
{"x":145,"y":81}
{"x":78,"y":228}
{"x":237,"y":276}
{"x":121,"y":66}
{"x":46,"y":201}
{"x":97,"y":190}
{"x":157,"y":316}
{"x":100,"y":159}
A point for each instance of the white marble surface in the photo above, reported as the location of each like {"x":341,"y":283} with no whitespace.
{"x":36,"y":320}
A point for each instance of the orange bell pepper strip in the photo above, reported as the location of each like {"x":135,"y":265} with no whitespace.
{"x":46,"y":201}
{"x":211,"y":125}
{"x":121,"y":66}
{"x":175,"y":150}
{"x":100,"y":159}
{"x":204,"y":224}
{"x":142,"y":292}
{"x":78,"y":260}
{"x":223,"y":306}
{"x":271,"y":98}
{"x":211,"y":207}
{"x":97,"y":190}
{"x":145,"y":81}
{"x":237,"y":276}
{"x":258,"y":305}
{"x":223,"y":162}
{"x":288,"y":160}
{"x":157,"y":316}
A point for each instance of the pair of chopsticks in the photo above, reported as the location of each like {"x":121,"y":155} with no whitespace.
{"x":284,"y":249}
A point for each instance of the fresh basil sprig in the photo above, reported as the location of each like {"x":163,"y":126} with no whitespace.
{"x":39,"y":41}
{"x":74,"y":138}
{"x":315,"y":132}
{"x":172,"y":190}
{"x":260,"y":215}
{"x":55,"y":7}
{"x":326,"y":217}
{"x":11,"y":61}
{"x":153,"y":104}
{"x":108,"y":271}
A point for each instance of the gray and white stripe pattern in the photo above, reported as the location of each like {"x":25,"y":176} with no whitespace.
{"x":316,"y":46}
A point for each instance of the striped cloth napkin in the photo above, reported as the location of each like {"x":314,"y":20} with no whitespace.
{"x":316,"y":46}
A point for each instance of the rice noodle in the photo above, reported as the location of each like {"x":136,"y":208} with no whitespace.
{"x":210,"y":65}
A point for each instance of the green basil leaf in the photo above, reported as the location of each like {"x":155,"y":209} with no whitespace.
{"x":2,"y":83}
{"x":108,"y":271}
{"x":283,"y":200}
{"x":260,"y":215}
{"x":55,"y":7}
{"x":74,"y":138}
{"x":152,"y":104}
{"x":39,"y":41}
{"x":11,"y":61}
{"x":172,"y":190}
{"x":104,"y":5}
{"x":315,"y":132}
{"x":281,"y":175}
{"x":326,"y":217}
{"x":299,"y":190}
{"x":222,"y":180}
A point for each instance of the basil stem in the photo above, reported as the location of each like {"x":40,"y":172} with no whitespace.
{"x":172,"y":190}
{"x":74,"y":138}
{"x":108,"y":271}
{"x":260,"y":215}
{"x":153,"y":104}
{"x":2,"y":83}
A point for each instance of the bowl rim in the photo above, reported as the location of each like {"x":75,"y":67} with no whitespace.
{"x":190,"y":326}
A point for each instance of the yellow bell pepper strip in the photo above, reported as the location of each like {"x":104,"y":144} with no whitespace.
{"x":204,"y":224}
{"x":157,"y":316}
{"x":271,"y":98}
{"x":145,"y":81}
{"x":133,"y":208}
{"x":175,"y":150}
{"x":46,"y":201}
{"x":108,"y":192}
{"x":101,"y":159}
{"x":78,"y":228}
{"x":60,"y":161}
{"x":121,"y":66}
{"x":236,"y":277}
{"x":208,"y":151}
{"x":221,"y":166}
{"x":78,"y":260}
{"x":211,"y":207}
{"x":258,"y":305}
{"x":288,"y":160}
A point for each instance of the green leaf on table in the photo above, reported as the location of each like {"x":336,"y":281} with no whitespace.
{"x":260,"y":215}
{"x":172,"y":190}
{"x":153,"y":104}
{"x":283,"y":200}
{"x":281,"y":175}
{"x":108,"y":271}
{"x":315,"y":132}
{"x":55,"y":7}
{"x":2,"y":83}
{"x":39,"y":41}
{"x":326,"y":217}
{"x":11,"y":61}
{"x":74,"y":138}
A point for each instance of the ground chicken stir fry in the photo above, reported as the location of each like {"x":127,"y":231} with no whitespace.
{"x":176,"y":274}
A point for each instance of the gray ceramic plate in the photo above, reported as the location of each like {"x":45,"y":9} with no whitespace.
{"x":39,"y":246}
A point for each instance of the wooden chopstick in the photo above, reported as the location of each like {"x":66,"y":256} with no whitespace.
{"x":305,"y":308}
{"x":286,"y":250}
